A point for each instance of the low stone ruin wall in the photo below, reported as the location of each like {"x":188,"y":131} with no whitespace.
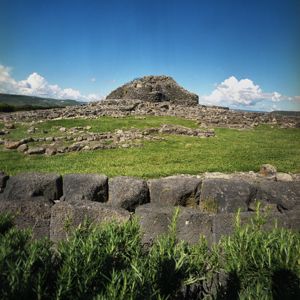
{"x":211,"y":116}
{"x":52,"y":205}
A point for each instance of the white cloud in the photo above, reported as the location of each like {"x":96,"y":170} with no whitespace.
{"x":238,"y":92}
{"x":37,"y":85}
{"x":93,"y":79}
{"x":245,"y":94}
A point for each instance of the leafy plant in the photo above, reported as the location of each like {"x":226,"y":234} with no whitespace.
{"x":253,"y":256}
{"x":91,"y":255}
{"x":108,"y":261}
{"x":26,"y":266}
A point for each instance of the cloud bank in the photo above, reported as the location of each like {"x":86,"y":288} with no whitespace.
{"x":37,"y":85}
{"x":245,"y":94}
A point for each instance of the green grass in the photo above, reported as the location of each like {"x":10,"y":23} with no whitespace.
{"x":108,"y":261}
{"x":231,"y":150}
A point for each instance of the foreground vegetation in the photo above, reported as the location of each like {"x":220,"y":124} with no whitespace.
{"x":230,"y":150}
{"x":109,"y":262}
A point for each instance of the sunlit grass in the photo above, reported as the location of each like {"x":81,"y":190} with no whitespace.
{"x":230,"y":150}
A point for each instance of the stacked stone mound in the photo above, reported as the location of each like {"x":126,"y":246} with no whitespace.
{"x":211,"y":116}
{"x":52,"y":205}
{"x":154,"y":89}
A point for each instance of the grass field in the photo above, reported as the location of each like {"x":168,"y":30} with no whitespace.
{"x":230,"y":150}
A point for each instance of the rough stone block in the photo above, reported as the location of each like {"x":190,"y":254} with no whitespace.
{"x":192,"y":224}
{"x":33,"y":186}
{"x":33,"y":215}
{"x":155,"y":221}
{"x":91,"y":187}
{"x":286,"y":195}
{"x":65,"y":216}
{"x":175,"y":190}
{"x":223,"y":224}
{"x":128,"y":192}
{"x":225,"y":195}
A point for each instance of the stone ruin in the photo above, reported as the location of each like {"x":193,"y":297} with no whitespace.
{"x":156,"y":96}
{"x":81,"y":139}
{"x":52,"y":205}
{"x":205,"y":116}
{"x":155,"y":89}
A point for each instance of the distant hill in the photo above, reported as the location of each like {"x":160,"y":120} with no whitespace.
{"x":289,"y":113}
{"x":9,"y":102}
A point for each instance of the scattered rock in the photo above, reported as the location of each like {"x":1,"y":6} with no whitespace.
{"x":283,"y":177}
{"x":22,"y":148}
{"x":91,"y":187}
{"x":36,"y":150}
{"x":12,"y":144}
{"x":31,"y":130}
{"x":268,"y":170}
{"x":128,"y":192}
{"x":9,"y":126}
{"x":49,"y":139}
{"x":62,"y":129}
{"x":33,"y":186}
{"x":3,"y":132}
{"x":50,"y":151}
{"x":26,"y":140}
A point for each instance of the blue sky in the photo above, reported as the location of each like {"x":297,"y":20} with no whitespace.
{"x":245,"y":54}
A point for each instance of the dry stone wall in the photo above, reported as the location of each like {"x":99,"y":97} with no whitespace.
{"x":211,"y":116}
{"x":53,"y":205}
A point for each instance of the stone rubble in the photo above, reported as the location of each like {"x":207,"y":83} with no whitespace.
{"x":80,"y":139}
{"x":206,"y":116}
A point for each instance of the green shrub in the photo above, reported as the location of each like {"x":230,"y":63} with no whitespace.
{"x":92,"y":254}
{"x":254,"y":258}
{"x":109,"y":262}
{"x":26,"y":266}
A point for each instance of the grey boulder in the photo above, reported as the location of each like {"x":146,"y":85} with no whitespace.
{"x":175,"y":190}
{"x":155,"y":221}
{"x":128,"y":192}
{"x":34,"y":215}
{"x":285,"y":195}
{"x":224,"y":224}
{"x":91,"y":187}
{"x":225,"y":195}
{"x":33,"y":186}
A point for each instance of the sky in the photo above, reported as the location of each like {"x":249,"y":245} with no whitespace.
{"x":241,"y":54}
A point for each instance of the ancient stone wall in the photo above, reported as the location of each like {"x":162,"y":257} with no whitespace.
{"x":53,"y":205}
{"x":211,"y":116}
